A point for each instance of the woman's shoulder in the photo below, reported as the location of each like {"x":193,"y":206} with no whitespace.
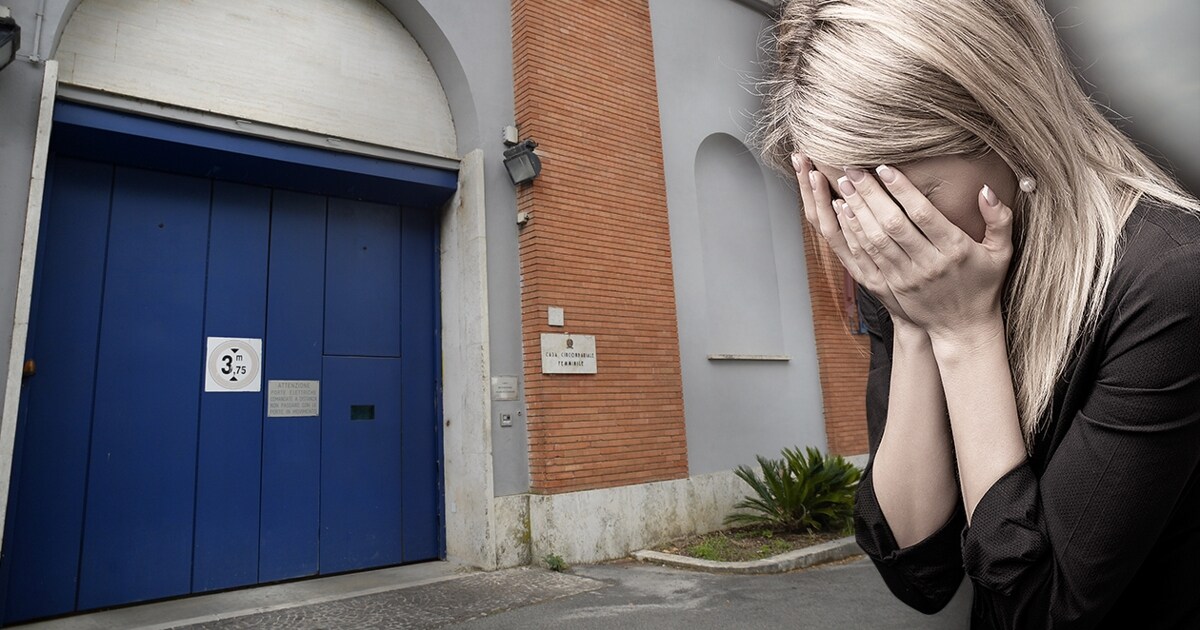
{"x":1159,"y":260}
{"x":1155,"y":226}
{"x":1155,"y":233}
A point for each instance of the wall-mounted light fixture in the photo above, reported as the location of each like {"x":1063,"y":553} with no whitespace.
{"x":10,"y":37}
{"x":522,"y":163}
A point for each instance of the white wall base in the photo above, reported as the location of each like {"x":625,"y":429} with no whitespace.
{"x":595,"y":525}
{"x":513,"y":534}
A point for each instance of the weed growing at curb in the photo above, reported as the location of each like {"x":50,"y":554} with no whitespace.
{"x":555,"y":562}
{"x":748,"y":543}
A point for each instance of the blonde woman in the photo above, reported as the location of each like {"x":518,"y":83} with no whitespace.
{"x":1034,"y":311}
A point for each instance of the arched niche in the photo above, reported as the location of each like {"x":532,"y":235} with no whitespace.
{"x":741,"y":282}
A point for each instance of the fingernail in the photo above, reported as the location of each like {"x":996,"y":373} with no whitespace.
{"x":990,"y":196}
{"x":837,"y":206}
{"x":812,"y":179}
{"x":847,"y":210}
{"x":856,"y":175}
{"x":886,"y":174}
{"x":797,"y":161}
{"x":845,"y":186}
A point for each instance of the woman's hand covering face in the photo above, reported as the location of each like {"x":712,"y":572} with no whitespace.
{"x":900,"y":247}
{"x":819,"y":211}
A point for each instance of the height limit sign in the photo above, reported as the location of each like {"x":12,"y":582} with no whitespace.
{"x":233,"y":365}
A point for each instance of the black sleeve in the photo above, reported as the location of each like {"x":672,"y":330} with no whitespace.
{"x":879,"y":377}
{"x":927,"y":574}
{"x":1058,"y":550}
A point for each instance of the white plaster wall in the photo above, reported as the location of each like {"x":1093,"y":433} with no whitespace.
{"x":343,"y":68}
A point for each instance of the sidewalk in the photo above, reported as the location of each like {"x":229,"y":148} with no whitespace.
{"x":622,"y":595}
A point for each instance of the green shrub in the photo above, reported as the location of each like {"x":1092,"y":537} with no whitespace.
{"x":801,"y":492}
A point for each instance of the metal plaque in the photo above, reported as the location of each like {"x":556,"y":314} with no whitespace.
{"x":504,"y":388}
{"x":293,"y":399}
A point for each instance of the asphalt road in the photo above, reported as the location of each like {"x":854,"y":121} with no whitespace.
{"x":847,"y":595}
{"x":621,"y":595}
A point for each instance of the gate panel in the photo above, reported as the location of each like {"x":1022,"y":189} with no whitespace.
{"x":230,"y":464}
{"x":362,"y":280}
{"x":421,"y":444}
{"x":50,"y":471}
{"x":360,"y":464}
{"x":291,"y":469}
{"x":137,"y":541}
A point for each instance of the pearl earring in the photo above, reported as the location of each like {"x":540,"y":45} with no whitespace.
{"x":1027,"y":184}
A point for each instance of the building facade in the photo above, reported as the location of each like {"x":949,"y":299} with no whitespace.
{"x":277,"y":309}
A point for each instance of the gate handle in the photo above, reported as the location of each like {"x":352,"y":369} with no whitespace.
{"x":29,"y":369}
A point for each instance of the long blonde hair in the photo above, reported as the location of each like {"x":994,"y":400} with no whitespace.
{"x":868,"y":82}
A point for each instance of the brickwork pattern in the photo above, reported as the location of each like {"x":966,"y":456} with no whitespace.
{"x":597,"y":245}
{"x":843,"y":358}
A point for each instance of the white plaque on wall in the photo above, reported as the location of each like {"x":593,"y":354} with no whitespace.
{"x":568,"y":354}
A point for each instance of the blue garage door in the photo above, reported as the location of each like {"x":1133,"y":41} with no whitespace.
{"x":131,"y":482}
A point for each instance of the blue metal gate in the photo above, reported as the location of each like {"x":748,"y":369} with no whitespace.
{"x":130,"y":482}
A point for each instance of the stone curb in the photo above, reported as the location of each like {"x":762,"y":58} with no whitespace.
{"x":784,"y":562}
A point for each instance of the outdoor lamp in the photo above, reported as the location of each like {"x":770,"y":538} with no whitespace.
{"x":10,"y":37}
{"x":522,"y":163}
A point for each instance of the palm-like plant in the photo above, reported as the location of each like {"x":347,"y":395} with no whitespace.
{"x":801,"y":492}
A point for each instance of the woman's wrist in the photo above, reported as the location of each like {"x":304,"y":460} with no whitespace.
{"x":909,"y":335}
{"x":966,"y":341}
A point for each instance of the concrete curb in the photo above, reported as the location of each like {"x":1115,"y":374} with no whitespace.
{"x":784,"y":562}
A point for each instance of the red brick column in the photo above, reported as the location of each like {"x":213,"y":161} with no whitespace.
{"x":843,"y":358}
{"x":597,"y":245}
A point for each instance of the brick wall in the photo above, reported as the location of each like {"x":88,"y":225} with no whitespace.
{"x":842,"y":358}
{"x":597,"y":245}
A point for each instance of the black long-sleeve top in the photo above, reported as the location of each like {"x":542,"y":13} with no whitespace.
{"x":1100,"y":526}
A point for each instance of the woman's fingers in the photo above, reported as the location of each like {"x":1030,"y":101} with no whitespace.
{"x":866,"y":266}
{"x":938,"y":230}
{"x":850,"y":253}
{"x":885,"y":238}
{"x":823,"y":205}
{"x":827,"y":222}
{"x":998,"y":218}
{"x":803,"y":166}
{"x":869,"y":275}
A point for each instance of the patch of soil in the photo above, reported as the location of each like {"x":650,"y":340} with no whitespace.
{"x":745,"y":543}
